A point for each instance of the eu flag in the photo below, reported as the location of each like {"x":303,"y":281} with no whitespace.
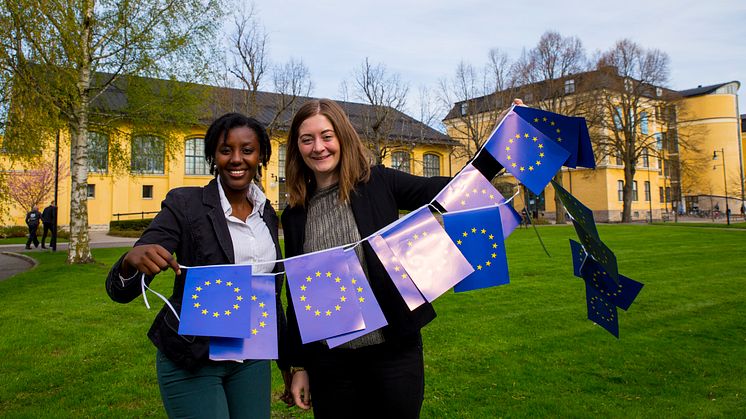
{"x":579,"y":257}
{"x":586,"y":157}
{"x":579,"y":212}
{"x":372,"y":314}
{"x":478,"y":235}
{"x":525,"y":152}
{"x":620,"y":294}
{"x":427,"y":253}
{"x":399,"y":276}
{"x":215,"y":301}
{"x":601,"y":311}
{"x":324,"y":305}
{"x":564,"y":130}
{"x":470,"y":189}
{"x":598,"y":250}
{"x":263,"y":327}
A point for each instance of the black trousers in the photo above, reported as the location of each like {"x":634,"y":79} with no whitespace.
{"x":379,"y":381}
{"x":32,"y":236}
{"x":52,"y":229}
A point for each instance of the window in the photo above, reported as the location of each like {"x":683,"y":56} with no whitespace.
{"x":644,"y":123}
{"x":660,"y":190}
{"x":147,"y":191}
{"x":668,"y":194}
{"x":634,"y":190}
{"x":618,"y":118}
{"x":620,"y":189}
{"x":194,"y":157}
{"x":569,"y":86}
{"x":658,"y":141}
{"x":660,"y":166}
{"x":647,"y":190}
{"x":658,"y":91}
{"x":464,"y":108}
{"x":400,"y":161}
{"x":281,"y":156}
{"x":628,"y":85}
{"x":618,"y":158}
{"x":147,"y":154}
{"x":98,"y":152}
{"x":431,"y":163}
{"x":645,"y":158}
{"x":91,"y":190}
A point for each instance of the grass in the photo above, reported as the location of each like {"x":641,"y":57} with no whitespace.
{"x":524,"y":349}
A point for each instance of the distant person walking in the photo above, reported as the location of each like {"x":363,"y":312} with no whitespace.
{"x":32,"y":221}
{"x":49,"y":218}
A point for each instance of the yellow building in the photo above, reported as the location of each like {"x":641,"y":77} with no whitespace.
{"x":410,"y":146}
{"x":666,"y":183}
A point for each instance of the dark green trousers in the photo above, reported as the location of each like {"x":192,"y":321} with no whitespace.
{"x":222,"y":389}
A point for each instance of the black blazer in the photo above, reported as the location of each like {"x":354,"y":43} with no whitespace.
{"x":375,"y":204}
{"x":192,"y":225}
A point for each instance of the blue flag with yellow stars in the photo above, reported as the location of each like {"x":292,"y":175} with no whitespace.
{"x":427,"y":253}
{"x":564,"y":130}
{"x":601,"y":311}
{"x":372,"y":314}
{"x":215,"y":301}
{"x":620,"y":294}
{"x":325,"y":305}
{"x":399,"y":276}
{"x":586,"y":158}
{"x":470,"y":189}
{"x":579,"y":212}
{"x":579,"y":257}
{"x":263,"y":327}
{"x":525,"y":152}
{"x":598,"y":251}
{"x":478,"y":235}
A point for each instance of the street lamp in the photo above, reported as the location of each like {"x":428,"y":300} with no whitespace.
{"x":725,"y":183}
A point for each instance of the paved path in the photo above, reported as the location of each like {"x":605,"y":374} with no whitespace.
{"x":15,"y":258}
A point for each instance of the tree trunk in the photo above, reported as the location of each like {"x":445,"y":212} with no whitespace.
{"x":559,"y":209}
{"x":629,"y":176}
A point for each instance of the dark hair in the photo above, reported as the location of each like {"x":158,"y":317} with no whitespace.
{"x":218,"y":132}
{"x":354,"y":159}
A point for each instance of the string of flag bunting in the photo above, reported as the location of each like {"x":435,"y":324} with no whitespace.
{"x":423,"y":258}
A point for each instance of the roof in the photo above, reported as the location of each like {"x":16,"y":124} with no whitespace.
{"x":222,"y":100}
{"x":705,"y":90}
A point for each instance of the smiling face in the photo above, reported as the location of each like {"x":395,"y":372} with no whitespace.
{"x":319,"y":147}
{"x":237,"y":159}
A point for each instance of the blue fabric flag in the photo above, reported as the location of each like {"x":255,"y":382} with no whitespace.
{"x":478,"y":235}
{"x":324,"y":306}
{"x":525,"y":152}
{"x":564,"y":130}
{"x":601,"y":311}
{"x":621,"y":295}
{"x":470,"y":189}
{"x":215,"y":301}
{"x":427,"y":253}
{"x":579,"y":212}
{"x":598,"y":250}
{"x":263,"y":328}
{"x":372,"y":314}
{"x":399,"y":276}
{"x":578,"y":257}
{"x":586,"y":158}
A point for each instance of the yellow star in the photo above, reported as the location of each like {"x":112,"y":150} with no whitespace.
{"x":229,"y":284}
{"x":318,"y":274}
{"x":328,"y":274}
{"x":254,"y":331}
{"x":541,"y":145}
{"x":536,"y":119}
{"x":535,"y":139}
{"x":239,"y":298}
{"x":416,"y":236}
{"x":253,"y":298}
{"x":359,"y":289}
{"x":465,"y":234}
{"x":494,"y":245}
{"x":199,"y":288}
{"x":558,"y":131}
{"x":551,"y":123}
{"x":541,"y":154}
{"x":484,"y":231}
{"x":544,"y":119}
{"x":308,"y":307}
{"x":525,"y":135}
{"x":518,"y":136}
{"x":479,"y":267}
{"x":511,"y":165}
{"x":343,"y":298}
{"x":196,"y":305}
{"x":262,"y":324}
{"x":338,"y":307}
{"x":484,"y":191}
{"x":204,"y":311}
{"x":303,"y":298}
{"x":236,"y":289}
{"x":343,"y":288}
{"x":523,"y":169}
{"x":354,"y":281}
{"x":328,"y":312}
{"x":473,"y":230}
{"x":216,"y":314}
{"x":317,"y":313}
{"x":361,"y":299}
{"x":404,"y":276}
{"x":265,"y":314}
{"x":510,"y":141}
{"x":559,"y":139}
{"x":227,"y":312}
{"x":207,"y":283}
{"x":493,"y":196}
{"x":488,"y":263}
{"x":530,"y":168}
{"x":538,"y":163}
{"x":409,"y":243}
{"x":463,"y":202}
{"x":337,"y":279}
{"x":494,"y":255}
{"x":491,"y":237}
{"x":235,"y":306}
{"x":218,"y":281}
{"x":302,"y":287}
{"x":397,"y":268}
{"x":458,"y":242}
{"x":308,"y":278}
{"x":194,"y":296}
{"x":509,"y":158}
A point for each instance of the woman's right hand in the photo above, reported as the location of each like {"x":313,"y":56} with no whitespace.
{"x":149,"y":259}
{"x":301,"y":390}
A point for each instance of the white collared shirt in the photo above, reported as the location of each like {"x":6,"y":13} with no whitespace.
{"x":251,"y":239}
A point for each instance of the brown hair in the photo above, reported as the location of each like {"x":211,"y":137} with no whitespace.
{"x":354,"y":164}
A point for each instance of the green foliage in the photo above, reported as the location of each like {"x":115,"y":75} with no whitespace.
{"x":22,"y":231}
{"x":131,"y":225}
{"x":524,"y":349}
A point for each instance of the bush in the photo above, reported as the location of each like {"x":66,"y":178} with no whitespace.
{"x":128,"y":228}
{"x":14,"y":231}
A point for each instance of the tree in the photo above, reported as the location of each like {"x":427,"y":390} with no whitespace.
{"x":543,"y":71}
{"x":386,"y":93}
{"x":31,"y":188}
{"x":630,"y":84}
{"x":59,"y":59}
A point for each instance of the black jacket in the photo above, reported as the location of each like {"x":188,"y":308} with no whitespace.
{"x":191,"y":224}
{"x":375,"y":204}
{"x":49,"y":215}
{"x":33,"y":218}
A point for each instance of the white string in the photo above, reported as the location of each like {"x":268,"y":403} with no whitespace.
{"x":144,"y":287}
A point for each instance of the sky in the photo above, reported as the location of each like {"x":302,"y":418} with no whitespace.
{"x":424,"y":40}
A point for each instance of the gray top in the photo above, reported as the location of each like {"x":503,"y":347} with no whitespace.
{"x":330,"y":224}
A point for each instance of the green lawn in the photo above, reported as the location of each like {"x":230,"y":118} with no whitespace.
{"x":524,"y":349}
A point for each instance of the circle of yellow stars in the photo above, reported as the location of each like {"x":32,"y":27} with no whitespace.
{"x":475,"y":193}
{"x":602,"y":286}
{"x":603,"y":309}
{"x":475,"y":231}
{"x":264,"y":316}
{"x":341,"y":287}
{"x":217,"y":313}
{"x":597,"y":254}
{"x":551,"y":123}
{"x":524,"y":137}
